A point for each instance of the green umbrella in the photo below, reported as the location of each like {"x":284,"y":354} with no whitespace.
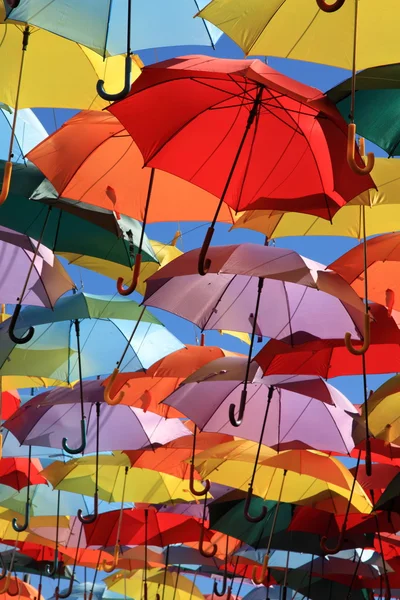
{"x":377,"y":105}
{"x":96,"y":232}
{"x":316,"y":588}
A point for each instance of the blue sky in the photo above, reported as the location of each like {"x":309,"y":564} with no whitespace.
{"x":322,"y":249}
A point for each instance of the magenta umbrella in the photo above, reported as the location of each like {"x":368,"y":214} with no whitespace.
{"x":263,"y":290}
{"x":300,"y":412}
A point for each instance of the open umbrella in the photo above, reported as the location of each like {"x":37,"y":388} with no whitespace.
{"x":29,"y":132}
{"x":216,"y":134}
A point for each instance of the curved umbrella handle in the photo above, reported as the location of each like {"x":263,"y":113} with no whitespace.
{"x":107,"y":390}
{"x":223,"y":591}
{"x":336,"y":548}
{"x":329,"y":8}
{"x":3,"y":570}
{"x":17,"y":591}
{"x":5,"y":189}
{"x":51,"y":569}
{"x":365,"y":346}
{"x":246,"y":509}
{"x":109,"y":568}
{"x":13,"y":322}
{"x":125,"y":90}
{"x":351,"y":144}
{"x":58,"y":594}
{"x":242,"y":406}
{"x":90,"y":518}
{"x":204,"y":491}
{"x":25,"y":524}
{"x":264,"y":571}
{"x":202,"y":550}
{"x":81,"y":448}
{"x":204,"y":263}
{"x":135,"y":278}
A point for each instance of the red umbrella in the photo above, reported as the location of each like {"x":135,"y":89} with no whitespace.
{"x":381,"y":452}
{"x":330,"y":358}
{"x":15,"y":472}
{"x":244,"y":132}
{"x":10,"y":402}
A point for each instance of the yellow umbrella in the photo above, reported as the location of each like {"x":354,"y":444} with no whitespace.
{"x":299,"y":29}
{"x":142,"y":485}
{"x":177,"y":587}
{"x":383,"y":411}
{"x":13,"y":382}
{"x":313,"y":478}
{"x":382,"y":212}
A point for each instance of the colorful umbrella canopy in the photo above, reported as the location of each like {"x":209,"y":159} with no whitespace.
{"x":106,"y":170}
{"x":376,"y":86}
{"x":10,"y":401}
{"x":177,"y":586}
{"x":15,"y":472}
{"x":212,"y":104}
{"x":268,"y":28}
{"x":302,"y":412}
{"x":49,"y":417}
{"x":48,"y":280}
{"x":293,"y":287}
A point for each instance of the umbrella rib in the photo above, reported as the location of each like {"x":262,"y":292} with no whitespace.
{"x":205,"y":26}
{"x":218,"y":301}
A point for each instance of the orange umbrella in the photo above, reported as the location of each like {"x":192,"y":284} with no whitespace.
{"x":17,"y":587}
{"x":147,"y":390}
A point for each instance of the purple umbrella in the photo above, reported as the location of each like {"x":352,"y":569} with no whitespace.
{"x":263,"y":290}
{"x":45,"y":278}
{"x":299,"y":412}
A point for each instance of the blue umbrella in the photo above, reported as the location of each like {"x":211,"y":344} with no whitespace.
{"x":29,"y":132}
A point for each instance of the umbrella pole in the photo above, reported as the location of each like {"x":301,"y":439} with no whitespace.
{"x":138,"y":261}
{"x":207,"y":484}
{"x":243,"y":399}
{"x":225,"y":579}
{"x":165,"y":571}
{"x":66,"y":594}
{"x":178,"y":572}
{"x":106,"y":568}
{"x":91,"y":518}
{"x":263,"y":513}
{"x":284,"y":589}
{"x":146,"y":517}
{"x":340,"y":542}
{"x":95,"y":576}
{"x":82,"y":446}
{"x":25,"y":525}
{"x":9,"y":166}
{"x":51,"y":570}
{"x":388,"y":593}
{"x":107,"y":389}
{"x":204,"y":263}
{"x":353,"y":579}
{"x":202,"y":550}
{"x":13,"y":321}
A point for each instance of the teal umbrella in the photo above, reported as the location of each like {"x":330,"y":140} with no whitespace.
{"x":377,"y":105}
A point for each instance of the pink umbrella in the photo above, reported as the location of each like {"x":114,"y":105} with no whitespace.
{"x":264,"y":290}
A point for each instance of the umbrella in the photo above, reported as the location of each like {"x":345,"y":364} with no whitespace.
{"x":17,"y":472}
{"x":176,"y":587}
{"x":224,"y":112}
{"x":269,"y":29}
{"x":383,"y":417}
{"x":29,"y":132}
{"x":107,"y":171}
{"x":381,"y":85}
{"x":10,"y":401}
{"x":380,"y":210}
{"x":330,"y":358}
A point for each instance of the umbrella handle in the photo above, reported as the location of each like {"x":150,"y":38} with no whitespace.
{"x":25,"y":525}
{"x":338,"y":546}
{"x":237,"y":422}
{"x":58,"y":594}
{"x":81,"y":448}
{"x":202,"y":550}
{"x":3,"y":571}
{"x":125,"y":90}
{"x":365,"y":346}
{"x":204,"y":263}
{"x":109,"y":568}
{"x":136,"y":270}
{"x":90,"y":518}
{"x":329,"y":8}
{"x":246,"y":509}
{"x":223,"y":591}
{"x":5,"y":189}
{"x":264,"y":571}
{"x":204,"y":491}
{"x":51,"y":569}
{"x":6,"y":584}
{"x":11,"y":328}
{"x":107,"y":398}
{"x":17,"y":591}
{"x":351,"y":145}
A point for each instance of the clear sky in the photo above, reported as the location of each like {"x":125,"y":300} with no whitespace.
{"x":321,"y":249}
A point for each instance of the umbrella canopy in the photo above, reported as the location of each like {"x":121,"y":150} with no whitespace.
{"x":225,"y":298}
{"x":383,"y":268}
{"x":383,"y":415}
{"x":212,"y":104}
{"x":378,"y":85}
{"x":48,"y":279}
{"x":102,"y":25}
{"x":98,"y":233}
{"x":100,"y":318}
{"x":47,"y":418}
{"x":269,"y":29}
{"x":379,"y":206}
{"x":106,"y":170}
{"x":319,"y":480}
{"x":142,"y":485}
{"x":29,"y":132}
{"x":330,"y":358}
{"x":302,"y":412}
{"x":15,"y":472}
{"x":10,"y":401}
{"x":177,"y":586}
